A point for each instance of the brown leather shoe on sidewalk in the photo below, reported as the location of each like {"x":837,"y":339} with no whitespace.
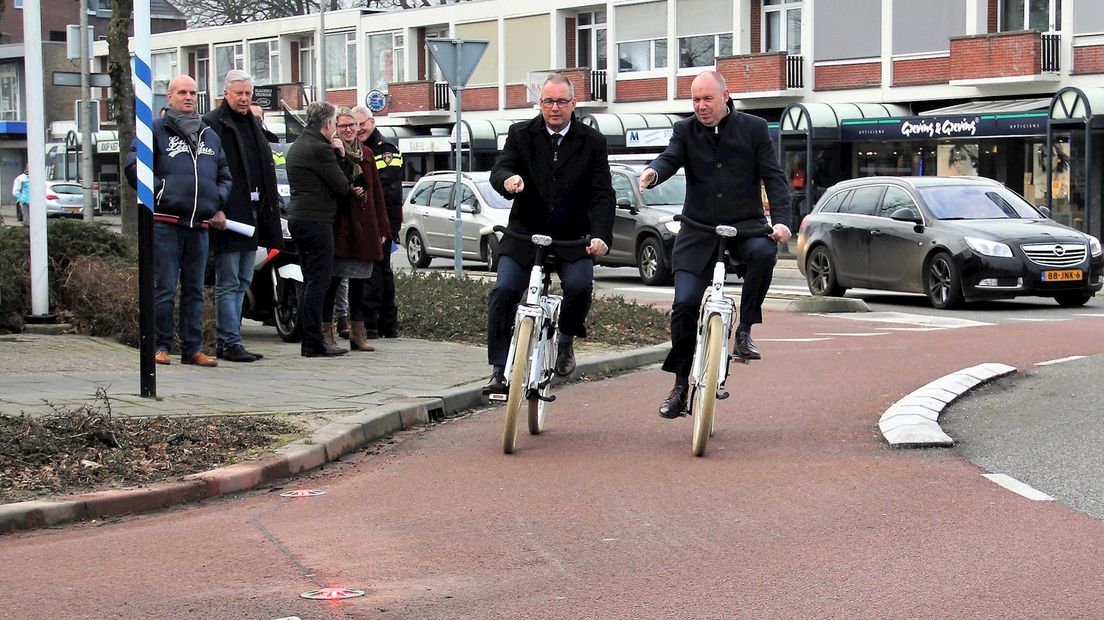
{"x":199,"y":358}
{"x":162,"y":357}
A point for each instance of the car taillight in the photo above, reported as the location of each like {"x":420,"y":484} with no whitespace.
{"x":51,"y":196}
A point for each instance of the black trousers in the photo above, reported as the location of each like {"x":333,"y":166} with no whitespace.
{"x":760,"y":255}
{"x":315,"y":243}
{"x":380,"y":312}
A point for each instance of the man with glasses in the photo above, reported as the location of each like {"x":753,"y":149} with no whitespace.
{"x":556,"y":170}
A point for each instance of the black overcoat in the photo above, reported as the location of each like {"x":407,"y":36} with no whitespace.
{"x":265,"y":215}
{"x":566,"y":197}
{"x":723,"y":179}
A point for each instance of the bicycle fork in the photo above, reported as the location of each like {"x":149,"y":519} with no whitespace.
{"x":715,"y":301}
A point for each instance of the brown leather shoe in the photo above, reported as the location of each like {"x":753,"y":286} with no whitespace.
{"x":162,"y":357}
{"x":357,"y":339}
{"x":200,"y":359}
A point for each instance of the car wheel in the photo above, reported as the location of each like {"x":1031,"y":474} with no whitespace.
{"x":1072,"y":300}
{"x":820,"y":273}
{"x":416,"y":250}
{"x":490,"y":252}
{"x":652,"y":263}
{"x":942,"y":282}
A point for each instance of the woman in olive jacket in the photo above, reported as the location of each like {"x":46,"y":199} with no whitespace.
{"x":360,"y":228}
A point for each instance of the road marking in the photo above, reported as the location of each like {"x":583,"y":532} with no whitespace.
{"x":791,"y":339}
{"x":647,"y":289}
{"x":911,"y":329}
{"x":1095,"y":316}
{"x":852,"y":334}
{"x":908,"y":319}
{"x":1018,"y":487}
{"x":1060,"y":360}
{"x":1034,"y":320}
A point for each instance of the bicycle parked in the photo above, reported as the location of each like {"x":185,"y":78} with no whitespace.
{"x":712,"y":355}
{"x":530,"y":363}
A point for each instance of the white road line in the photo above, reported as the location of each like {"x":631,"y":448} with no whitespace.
{"x":1060,"y":360}
{"x":1095,"y":316}
{"x":670,"y":290}
{"x":1018,"y":487}
{"x":845,"y":334}
{"x":911,"y":329}
{"x":791,"y":339}
{"x":1034,"y":320}
{"x":906,"y":318}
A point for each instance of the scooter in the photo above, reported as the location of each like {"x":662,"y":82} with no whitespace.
{"x":273,"y":297}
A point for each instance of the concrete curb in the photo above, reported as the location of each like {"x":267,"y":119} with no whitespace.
{"x":325,"y":444}
{"x":913,"y":421}
{"x":808,"y":304}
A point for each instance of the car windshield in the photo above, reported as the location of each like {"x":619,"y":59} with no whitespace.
{"x":493,"y":199}
{"x":670,"y":192}
{"x":976,"y":202}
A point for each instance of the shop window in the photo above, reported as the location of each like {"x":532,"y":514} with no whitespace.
{"x":957,"y":160}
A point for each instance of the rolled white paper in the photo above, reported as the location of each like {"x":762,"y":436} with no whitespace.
{"x":241,"y":229}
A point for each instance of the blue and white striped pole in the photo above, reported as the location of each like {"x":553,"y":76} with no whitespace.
{"x":143,"y":141}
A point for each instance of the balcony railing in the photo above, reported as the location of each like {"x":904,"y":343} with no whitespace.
{"x":440,"y":96}
{"x":795,"y":72}
{"x":598,"y":86}
{"x":1051,"y":52}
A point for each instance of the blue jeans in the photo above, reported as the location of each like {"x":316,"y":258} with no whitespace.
{"x":233,"y":275}
{"x":179,"y":254}
{"x":760,"y":255}
{"x":577,"y":280}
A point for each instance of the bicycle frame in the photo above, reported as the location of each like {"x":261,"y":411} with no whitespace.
{"x":545,"y":311}
{"x":715,"y":301}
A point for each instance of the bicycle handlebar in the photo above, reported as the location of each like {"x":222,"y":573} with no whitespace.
{"x":724,"y":230}
{"x":573,"y":243}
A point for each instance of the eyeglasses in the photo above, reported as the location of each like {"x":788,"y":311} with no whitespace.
{"x":347,"y":126}
{"x":549,"y":103}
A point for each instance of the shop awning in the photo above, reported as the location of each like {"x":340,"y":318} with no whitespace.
{"x":483,"y":134}
{"x":822,"y":121}
{"x":634,"y":130}
{"x":1004,"y":106}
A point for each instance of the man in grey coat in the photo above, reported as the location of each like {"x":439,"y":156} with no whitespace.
{"x":728,"y":156}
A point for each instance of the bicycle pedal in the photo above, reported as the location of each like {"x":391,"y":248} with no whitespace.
{"x":547,"y":399}
{"x":498,"y":396}
{"x":737,"y":358}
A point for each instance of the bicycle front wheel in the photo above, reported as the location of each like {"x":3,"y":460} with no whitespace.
{"x":706,"y":402}
{"x":519,"y":376}
{"x":538,"y":405}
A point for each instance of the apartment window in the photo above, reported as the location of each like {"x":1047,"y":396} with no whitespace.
{"x":1041,"y":15}
{"x":203,"y":69}
{"x":782,"y":26}
{"x":591,"y":40}
{"x":264,"y":61}
{"x":306,"y":60}
{"x":641,"y":37}
{"x":340,"y":58}
{"x":228,"y":57}
{"x":386,"y":59}
{"x":164,"y":68}
{"x":642,"y":55}
{"x":702,"y":50}
{"x":9,"y":92}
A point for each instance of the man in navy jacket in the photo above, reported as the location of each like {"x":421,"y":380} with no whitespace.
{"x":728,"y":156}
{"x":191,"y":183}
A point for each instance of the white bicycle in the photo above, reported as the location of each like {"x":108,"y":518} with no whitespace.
{"x":712,"y":355}
{"x":530,"y":364}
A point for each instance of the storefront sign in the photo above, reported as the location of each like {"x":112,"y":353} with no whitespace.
{"x":938,"y":127}
{"x":648,"y":137}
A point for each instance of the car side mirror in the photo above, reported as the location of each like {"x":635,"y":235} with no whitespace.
{"x":624,"y":203}
{"x":906,"y":215}
{"x":469,"y":207}
{"x":1045,"y":211}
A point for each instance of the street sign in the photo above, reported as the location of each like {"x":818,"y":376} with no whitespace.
{"x":456,"y":67}
{"x":72,"y":78}
{"x":375,"y":100}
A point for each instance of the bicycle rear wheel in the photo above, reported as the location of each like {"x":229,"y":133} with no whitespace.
{"x":706,"y":402}
{"x":519,"y":376}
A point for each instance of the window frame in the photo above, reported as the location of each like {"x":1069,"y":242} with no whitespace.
{"x":273,"y":54}
{"x":598,"y":53}
{"x":717,"y":36}
{"x":653,"y":69}
{"x":1054,"y":17}
{"x":782,"y":8}
{"x":349,"y":58}
{"x":10,"y":105}
{"x":397,"y":49}
{"x":238,"y":59}
{"x":174,"y":63}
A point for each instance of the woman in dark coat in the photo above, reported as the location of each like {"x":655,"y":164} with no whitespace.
{"x":360,"y":228}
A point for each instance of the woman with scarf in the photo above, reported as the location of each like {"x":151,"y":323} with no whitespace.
{"x":359,"y":230}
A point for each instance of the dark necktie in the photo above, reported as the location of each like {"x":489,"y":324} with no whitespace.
{"x":556,"y":139}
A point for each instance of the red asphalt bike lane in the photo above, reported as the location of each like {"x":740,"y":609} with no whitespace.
{"x":799,"y":510}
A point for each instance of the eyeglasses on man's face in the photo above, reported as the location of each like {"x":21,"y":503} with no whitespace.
{"x":551,"y":103}
{"x":347,"y":126}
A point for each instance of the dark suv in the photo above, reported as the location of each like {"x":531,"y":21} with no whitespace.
{"x":643,"y":231}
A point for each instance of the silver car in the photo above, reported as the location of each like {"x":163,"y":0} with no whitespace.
{"x":429,"y":218}
{"x":64,"y":199}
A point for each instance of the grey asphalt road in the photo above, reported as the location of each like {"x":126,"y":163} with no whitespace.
{"x":1041,"y":426}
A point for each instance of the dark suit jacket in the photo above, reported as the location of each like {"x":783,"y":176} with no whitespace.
{"x":723,"y":180}
{"x":567,"y":198}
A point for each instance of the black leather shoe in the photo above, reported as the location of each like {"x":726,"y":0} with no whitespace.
{"x":675,"y":405}
{"x":321,"y":350}
{"x":256,"y":355}
{"x":745,"y":348}
{"x":389,"y":332}
{"x":237,"y":353}
{"x":219,"y":351}
{"x":497,"y":385}
{"x":565,"y":359}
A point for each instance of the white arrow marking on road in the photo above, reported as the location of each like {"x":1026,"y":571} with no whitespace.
{"x":1060,"y":360}
{"x":1016,"y":486}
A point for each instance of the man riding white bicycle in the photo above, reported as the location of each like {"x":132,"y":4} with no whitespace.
{"x":556,"y":170}
{"x":727,"y":156}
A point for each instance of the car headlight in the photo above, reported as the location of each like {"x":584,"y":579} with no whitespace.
{"x":988,"y":247}
{"x":673,"y":226}
{"x":1094,"y":246}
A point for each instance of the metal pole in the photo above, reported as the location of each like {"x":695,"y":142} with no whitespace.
{"x":85,"y":116}
{"x":143,"y":132}
{"x":458,"y":90}
{"x":36,"y":158}
{"x":320,"y":49}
